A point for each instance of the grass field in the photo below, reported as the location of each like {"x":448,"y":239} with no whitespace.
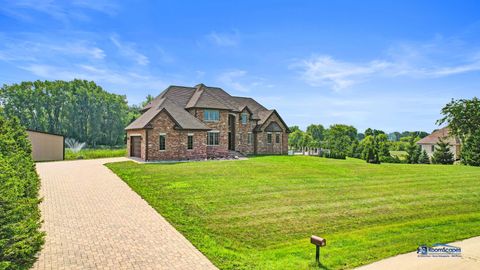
{"x":94,"y":153}
{"x":260,"y":213}
{"x":400,"y":154}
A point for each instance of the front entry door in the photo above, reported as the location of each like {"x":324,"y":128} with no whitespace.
{"x":135,"y":146}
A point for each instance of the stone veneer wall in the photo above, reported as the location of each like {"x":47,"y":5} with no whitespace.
{"x":220,"y":150}
{"x":274,"y":148}
{"x":241,"y":134}
{"x":175,"y":142}
{"x":138,"y":132}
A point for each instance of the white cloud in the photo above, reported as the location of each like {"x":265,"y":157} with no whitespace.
{"x":323,"y":70}
{"x":127,"y":49}
{"x":25,"y":49}
{"x":239,"y":80}
{"x":224,"y":39}
{"x":64,"y":11}
{"x":430,"y":60}
{"x":231,"y":80}
{"x":119,"y":79}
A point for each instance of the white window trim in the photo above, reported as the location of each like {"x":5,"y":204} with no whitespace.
{"x":279,"y":136}
{"x":250,"y":135}
{"x":270,"y":136}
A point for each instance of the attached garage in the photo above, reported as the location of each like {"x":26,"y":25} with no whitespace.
{"x":46,"y":146}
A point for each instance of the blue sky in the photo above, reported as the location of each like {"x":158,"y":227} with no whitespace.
{"x":389,"y":65}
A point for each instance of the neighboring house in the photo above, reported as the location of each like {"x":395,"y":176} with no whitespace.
{"x":191,"y":123}
{"x":429,"y":143}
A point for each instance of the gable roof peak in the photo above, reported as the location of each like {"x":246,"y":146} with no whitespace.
{"x":200,"y":86}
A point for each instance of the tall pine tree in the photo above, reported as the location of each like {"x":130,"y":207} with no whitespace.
{"x":442,"y":154}
{"x":424,"y":159}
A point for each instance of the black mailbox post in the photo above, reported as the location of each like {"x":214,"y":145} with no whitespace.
{"x":318,"y":242}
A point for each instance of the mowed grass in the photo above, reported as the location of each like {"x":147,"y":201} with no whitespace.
{"x":94,"y":153}
{"x":400,"y":154}
{"x":260,"y":213}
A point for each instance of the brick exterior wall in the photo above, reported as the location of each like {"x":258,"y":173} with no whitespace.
{"x":263,"y":147}
{"x":175,"y":142}
{"x":138,"y":132}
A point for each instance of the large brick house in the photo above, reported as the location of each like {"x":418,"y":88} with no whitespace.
{"x":193,"y":123}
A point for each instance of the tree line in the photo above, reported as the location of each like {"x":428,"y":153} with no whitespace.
{"x":375,"y":146}
{"x":340,"y":141}
{"x":77,"y":109}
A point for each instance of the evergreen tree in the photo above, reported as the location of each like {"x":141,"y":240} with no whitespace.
{"x":442,"y":154}
{"x":424,"y":159}
{"x":471,"y":150}
{"x":413,"y":151}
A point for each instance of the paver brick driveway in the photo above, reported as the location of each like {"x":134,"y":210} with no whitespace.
{"x":94,"y":220}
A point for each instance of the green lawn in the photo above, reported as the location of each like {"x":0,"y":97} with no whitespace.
{"x":400,"y":154}
{"x":94,"y":153}
{"x":260,"y":213}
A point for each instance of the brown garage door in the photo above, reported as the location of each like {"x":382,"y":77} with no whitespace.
{"x":135,"y":146}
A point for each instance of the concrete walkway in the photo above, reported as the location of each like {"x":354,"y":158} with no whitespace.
{"x":94,"y":220}
{"x":470,"y":259}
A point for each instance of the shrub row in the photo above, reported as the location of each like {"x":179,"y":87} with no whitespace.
{"x":20,"y":238}
{"x":333,"y":155}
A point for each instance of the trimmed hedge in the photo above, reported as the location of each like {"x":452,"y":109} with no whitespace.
{"x":333,"y":155}
{"x":20,"y":237}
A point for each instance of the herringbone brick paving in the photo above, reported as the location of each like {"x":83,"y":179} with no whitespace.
{"x":94,"y":220}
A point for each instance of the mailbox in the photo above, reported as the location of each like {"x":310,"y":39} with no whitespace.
{"x":318,"y":241}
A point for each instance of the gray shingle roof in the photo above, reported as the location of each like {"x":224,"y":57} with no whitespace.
{"x":176,"y":99}
{"x":180,"y":116}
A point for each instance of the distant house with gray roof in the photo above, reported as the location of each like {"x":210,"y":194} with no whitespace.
{"x":429,"y":142}
{"x":200,"y":122}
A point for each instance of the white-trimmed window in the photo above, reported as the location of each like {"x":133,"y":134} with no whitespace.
{"x":277,"y":137}
{"x":190,"y":141}
{"x":162,"y":141}
{"x":244,"y":118}
{"x":213,"y":138}
{"x":250,"y":138}
{"x":269,"y":137}
{"x":211,"y":115}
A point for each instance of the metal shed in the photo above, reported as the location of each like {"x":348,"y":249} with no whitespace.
{"x":46,"y":146}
